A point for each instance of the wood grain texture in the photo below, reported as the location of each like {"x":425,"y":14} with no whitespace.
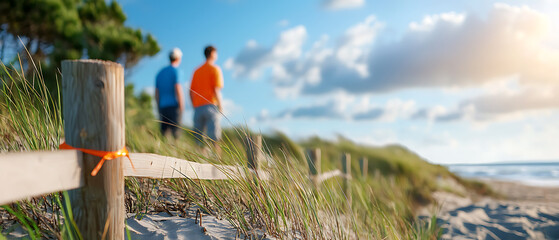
{"x":93,"y":107}
{"x":29,"y":174}
{"x":156,"y":166}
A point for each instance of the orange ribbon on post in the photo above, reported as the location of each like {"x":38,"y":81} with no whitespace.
{"x":105,"y":155}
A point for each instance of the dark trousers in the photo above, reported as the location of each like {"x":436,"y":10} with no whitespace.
{"x":169,"y":117}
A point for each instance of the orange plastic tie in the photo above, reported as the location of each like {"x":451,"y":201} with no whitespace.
{"x":105,"y":155}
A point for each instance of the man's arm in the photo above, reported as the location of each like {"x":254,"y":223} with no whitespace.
{"x":217,"y":93}
{"x":180,"y":96}
{"x":217,"y":88}
{"x":190,"y":92}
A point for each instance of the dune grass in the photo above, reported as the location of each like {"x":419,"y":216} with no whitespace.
{"x":288,"y":206}
{"x":30,"y":119}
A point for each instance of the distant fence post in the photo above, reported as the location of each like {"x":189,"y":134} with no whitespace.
{"x":254,"y":151}
{"x":93,"y":93}
{"x":313,"y":160}
{"x":363,"y":164}
{"x":346,"y":169}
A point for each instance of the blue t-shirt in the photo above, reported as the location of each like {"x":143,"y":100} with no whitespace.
{"x":165,"y":83}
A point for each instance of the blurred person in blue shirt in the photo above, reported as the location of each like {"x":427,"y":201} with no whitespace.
{"x":169,"y":96}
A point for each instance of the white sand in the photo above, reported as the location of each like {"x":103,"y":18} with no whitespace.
{"x":164,"y":226}
{"x":528,"y":213}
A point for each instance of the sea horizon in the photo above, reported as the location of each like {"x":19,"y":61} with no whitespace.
{"x":512,"y":162}
{"x":533,"y":173}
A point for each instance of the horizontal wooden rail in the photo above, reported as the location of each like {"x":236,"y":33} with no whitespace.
{"x":25,"y":174}
{"x":157,"y":166}
{"x":327,"y":175}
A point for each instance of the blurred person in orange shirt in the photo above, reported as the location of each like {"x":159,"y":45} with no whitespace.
{"x":205,"y":94}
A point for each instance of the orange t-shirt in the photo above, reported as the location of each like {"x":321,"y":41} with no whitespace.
{"x":204,"y":82}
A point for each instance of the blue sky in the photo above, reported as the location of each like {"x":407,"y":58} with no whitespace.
{"x":454,"y":81}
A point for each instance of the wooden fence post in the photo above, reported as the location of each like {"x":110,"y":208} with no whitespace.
{"x":254,"y":151}
{"x":346,"y":169}
{"x":363,"y":164}
{"x":93,"y":101}
{"x":313,"y":160}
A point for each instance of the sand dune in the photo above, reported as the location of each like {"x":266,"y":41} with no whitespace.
{"x":501,"y":220}
{"x":528,"y":213}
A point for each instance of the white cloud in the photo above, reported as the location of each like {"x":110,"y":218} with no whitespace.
{"x":481,"y":110}
{"x":329,"y":110}
{"x":342,"y":106}
{"x":292,"y":69}
{"x":442,"y":51}
{"x":496,"y":106}
{"x":530,"y":99}
{"x":336,"y":106}
{"x":349,"y":56}
{"x":448,"y":50}
{"x":429,"y":22}
{"x":290,"y":43}
{"x":455,"y":50}
{"x":393,"y":110}
{"x":354,"y":45}
{"x":397,"y":109}
{"x":253,"y":58}
{"x":342,"y":4}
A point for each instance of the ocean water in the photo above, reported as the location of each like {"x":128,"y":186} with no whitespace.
{"x":534,"y":173}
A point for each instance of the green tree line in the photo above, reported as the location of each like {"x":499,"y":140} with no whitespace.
{"x":45,"y":32}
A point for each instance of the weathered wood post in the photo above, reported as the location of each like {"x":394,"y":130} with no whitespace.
{"x":346,"y":169}
{"x":363,"y":164}
{"x":93,"y":98}
{"x":254,"y":151}
{"x":313,"y":160}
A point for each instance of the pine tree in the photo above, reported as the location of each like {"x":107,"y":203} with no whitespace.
{"x":54,"y":30}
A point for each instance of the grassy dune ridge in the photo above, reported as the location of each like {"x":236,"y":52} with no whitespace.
{"x":381,"y":207}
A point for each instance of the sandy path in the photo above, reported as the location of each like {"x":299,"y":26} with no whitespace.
{"x":165,"y":227}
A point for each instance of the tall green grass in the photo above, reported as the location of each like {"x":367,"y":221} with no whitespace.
{"x":287,"y":206}
{"x":30,"y":119}
{"x":24,"y":103}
